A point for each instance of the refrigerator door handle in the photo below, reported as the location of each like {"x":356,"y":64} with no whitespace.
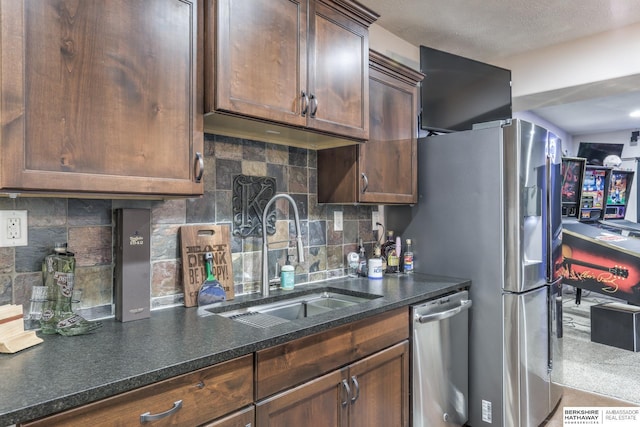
{"x":464,"y":305}
{"x":555,"y":314}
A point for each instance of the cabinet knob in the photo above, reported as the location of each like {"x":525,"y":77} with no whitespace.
{"x":199,"y":166}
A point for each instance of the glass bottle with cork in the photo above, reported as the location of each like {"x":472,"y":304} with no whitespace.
{"x":58,"y":276}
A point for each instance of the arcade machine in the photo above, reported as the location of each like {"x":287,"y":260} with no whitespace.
{"x":594,"y":193}
{"x":616,"y":206}
{"x":573,"y":169}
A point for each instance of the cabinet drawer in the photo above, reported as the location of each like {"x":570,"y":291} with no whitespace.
{"x":205,"y":394}
{"x":242,"y":418}
{"x":295,"y":362}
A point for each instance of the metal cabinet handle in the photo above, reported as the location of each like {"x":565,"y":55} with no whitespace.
{"x":199,"y":166}
{"x":314,"y":105}
{"x":366,"y":182}
{"x":305,"y":104}
{"x":464,"y":305}
{"x":346,"y":387}
{"x":147,"y":417}
{"x":357,"y":388}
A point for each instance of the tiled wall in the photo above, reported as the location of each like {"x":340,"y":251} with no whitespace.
{"x":88,"y":227}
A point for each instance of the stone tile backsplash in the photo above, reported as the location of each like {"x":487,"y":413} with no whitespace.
{"x":89,"y":228}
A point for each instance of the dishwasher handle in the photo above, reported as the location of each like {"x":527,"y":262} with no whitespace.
{"x":433,"y":317}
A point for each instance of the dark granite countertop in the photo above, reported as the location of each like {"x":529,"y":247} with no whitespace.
{"x":64,"y":372}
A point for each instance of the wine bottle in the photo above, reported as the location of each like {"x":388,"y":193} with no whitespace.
{"x":211,"y":290}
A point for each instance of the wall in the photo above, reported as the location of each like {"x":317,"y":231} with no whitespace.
{"x":387,"y":43}
{"x":601,"y":58}
{"x":88,"y":227}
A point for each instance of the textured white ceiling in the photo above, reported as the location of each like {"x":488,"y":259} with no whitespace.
{"x":487,"y":30}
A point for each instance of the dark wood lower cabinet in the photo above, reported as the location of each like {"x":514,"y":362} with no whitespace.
{"x":383,"y":383}
{"x":316,"y":403}
{"x":371,"y":392}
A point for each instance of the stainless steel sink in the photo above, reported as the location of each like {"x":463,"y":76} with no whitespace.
{"x":298,"y":310}
{"x":274,"y":313}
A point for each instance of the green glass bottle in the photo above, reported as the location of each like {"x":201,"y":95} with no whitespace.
{"x":211,"y":290}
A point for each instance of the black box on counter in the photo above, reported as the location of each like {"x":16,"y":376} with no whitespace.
{"x":616,"y":324}
{"x":133,"y":264}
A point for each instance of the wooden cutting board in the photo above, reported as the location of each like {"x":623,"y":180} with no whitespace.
{"x":195,"y":241}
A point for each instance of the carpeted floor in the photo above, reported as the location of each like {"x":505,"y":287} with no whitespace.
{"x":594,"y":367}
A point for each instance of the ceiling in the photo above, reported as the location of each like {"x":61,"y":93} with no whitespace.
{"x":487,"y":30}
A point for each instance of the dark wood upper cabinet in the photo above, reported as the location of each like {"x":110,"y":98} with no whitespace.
{"x":288,"y":71}
{"x":101,"y":97}
{"x":382,"y":170}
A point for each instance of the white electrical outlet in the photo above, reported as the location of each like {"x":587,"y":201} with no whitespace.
{"x":13,"y":228}
{"x":337,"y":221}
{"x":375,"y":219}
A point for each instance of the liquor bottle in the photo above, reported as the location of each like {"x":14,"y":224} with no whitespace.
{"x":399,"y":254}
{"x":211,"y":290}
{"x":362,"y":261}
{"x":58,"y":276}
{"x":407,"y":263}
{"x":391,"y":255}
{"x":384,"y":249}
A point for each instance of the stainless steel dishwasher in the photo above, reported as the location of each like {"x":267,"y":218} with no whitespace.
{"x":441,"y":361}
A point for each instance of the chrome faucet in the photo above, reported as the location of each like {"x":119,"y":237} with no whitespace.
{"x":265,"y":246}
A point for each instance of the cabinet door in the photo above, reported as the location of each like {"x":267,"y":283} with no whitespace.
{"x":383,"y":170}
{"x":388,"y":161}
{"x":322,"y":402}
{"x":338,"y":73}
{"x":101,"y":97}
{"x":261,"y":58}
{"x":380,"y":389}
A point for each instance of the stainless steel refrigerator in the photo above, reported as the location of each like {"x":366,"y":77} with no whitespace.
{"x":489,"y":209}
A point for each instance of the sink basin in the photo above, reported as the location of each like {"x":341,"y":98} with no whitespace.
{"x":274,"y":313}
{"x":298,"y":310}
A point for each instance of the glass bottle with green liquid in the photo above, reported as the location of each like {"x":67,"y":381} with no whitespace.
{"x":211,"y":290}
{"x":58,"y":276}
